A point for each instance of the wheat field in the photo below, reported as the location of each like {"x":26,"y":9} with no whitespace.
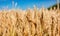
{"x":32,"y":22}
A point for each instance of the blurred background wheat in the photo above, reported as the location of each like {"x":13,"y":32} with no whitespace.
{"x":30,"y":22}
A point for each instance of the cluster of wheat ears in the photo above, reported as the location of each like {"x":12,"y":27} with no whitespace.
{"x":32,"y":22}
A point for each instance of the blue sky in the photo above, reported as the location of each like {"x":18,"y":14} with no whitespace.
{"x":24,"y":4}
